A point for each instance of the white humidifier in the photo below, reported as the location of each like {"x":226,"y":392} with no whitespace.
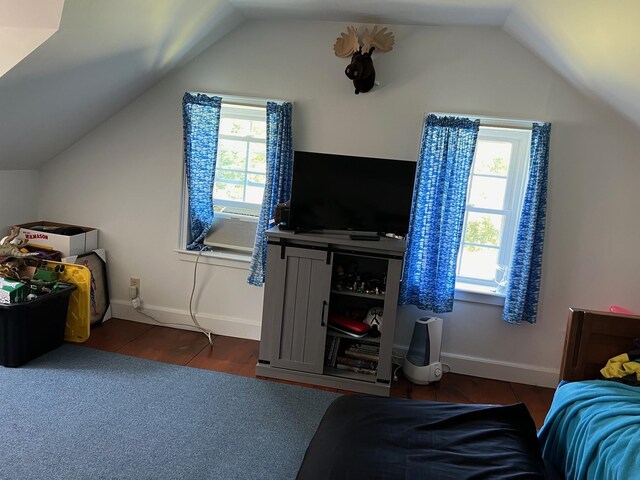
{"x":422,"y":363}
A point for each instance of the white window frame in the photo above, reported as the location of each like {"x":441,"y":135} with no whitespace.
{"x":227,"y":258}
{"x":238,"y":111}
{"x":520,"y":138}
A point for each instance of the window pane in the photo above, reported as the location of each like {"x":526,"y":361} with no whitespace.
{"x":231,"y":154}
{"x":228,"y":191}
{"x":257,"y":178}
{"x":223,"y":175}
{"x":235,"y":126}
{"x":259,"y":129}
{"x":257,"y":157}
{"x":241,"y":164}
{"x":492,"y":157}
{"x":483,"y":228}
{"x":254,"y":195}
{"x":487,"y":192}
{"x":478,"y":262}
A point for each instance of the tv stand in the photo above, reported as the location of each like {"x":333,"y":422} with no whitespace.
{"x":372,"y":237}
{"x":313,"y":276}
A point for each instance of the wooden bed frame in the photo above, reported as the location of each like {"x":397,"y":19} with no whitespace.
{"x":594,"y":337}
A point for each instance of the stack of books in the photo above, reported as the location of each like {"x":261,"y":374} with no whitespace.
{"x":360,"y":358}
{"x":331,"y":351}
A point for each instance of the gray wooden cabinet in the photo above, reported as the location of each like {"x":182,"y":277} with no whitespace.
{"x":301,"y":292}
{"x":302,"y":301}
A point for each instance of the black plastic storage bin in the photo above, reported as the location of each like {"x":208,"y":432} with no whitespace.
{"x":29,"y":329}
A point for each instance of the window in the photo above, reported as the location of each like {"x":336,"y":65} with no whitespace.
{"x":494,"y":200}
{"x":240,"y":177}
{"x":241,"y":164}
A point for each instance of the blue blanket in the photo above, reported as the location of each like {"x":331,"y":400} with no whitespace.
{"x":592,"y":431}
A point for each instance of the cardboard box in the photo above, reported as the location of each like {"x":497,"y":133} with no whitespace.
{"x":85,"y":241}
{"x":12,"y":291}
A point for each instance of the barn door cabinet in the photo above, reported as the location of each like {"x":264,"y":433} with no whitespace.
{"x":312,"y":276}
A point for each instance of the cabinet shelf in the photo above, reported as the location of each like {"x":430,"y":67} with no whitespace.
{"x":366,"y":338}
{"x":337,"y":372}
{"x":356,"y":294}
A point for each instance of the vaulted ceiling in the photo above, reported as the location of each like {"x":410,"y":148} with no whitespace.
{"x":24,"y":26}
{"x":107,"y":52}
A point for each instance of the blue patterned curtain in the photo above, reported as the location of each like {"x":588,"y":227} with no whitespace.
{"x":437,"y":212}
{"x":201,"y":121}
{"x":278,"y":184}
{"x":521,"y":302}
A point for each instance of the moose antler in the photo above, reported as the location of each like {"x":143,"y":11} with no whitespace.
{"x":361,"y":70}
{"x":380,"y":39}
{"x":347,"y":43}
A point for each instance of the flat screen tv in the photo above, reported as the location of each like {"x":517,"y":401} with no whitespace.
{"x":354,"y":194}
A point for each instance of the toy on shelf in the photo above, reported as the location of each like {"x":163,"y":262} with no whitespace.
{"x":11,"y":244}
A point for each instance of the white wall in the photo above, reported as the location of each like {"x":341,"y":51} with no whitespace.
{"x":125,"y":177}
{"x":18,"y":198}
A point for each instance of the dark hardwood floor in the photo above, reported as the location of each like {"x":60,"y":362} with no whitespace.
{"x":239,"y":357}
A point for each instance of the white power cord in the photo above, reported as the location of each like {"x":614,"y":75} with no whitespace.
{"x":397,"y":359}
{"x":134,"y":295}
{"x":193,"y":317}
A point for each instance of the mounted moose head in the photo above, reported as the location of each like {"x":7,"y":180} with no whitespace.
{"x":361,"y":70}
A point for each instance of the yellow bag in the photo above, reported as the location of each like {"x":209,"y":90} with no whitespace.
{"x":79,"y":311}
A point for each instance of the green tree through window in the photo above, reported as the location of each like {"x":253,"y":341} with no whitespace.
{"x":481,"y":232}
{"x":495,"y":191}
{"x":499,"y":166}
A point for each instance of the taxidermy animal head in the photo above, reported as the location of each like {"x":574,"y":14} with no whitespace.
{"x":361,"y":70}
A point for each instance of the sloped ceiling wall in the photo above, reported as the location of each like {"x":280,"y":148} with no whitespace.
{"x":106,"y":53}
{"x":408,"y":12}
{"x":25,"y":25}
{"x":593,"y":44}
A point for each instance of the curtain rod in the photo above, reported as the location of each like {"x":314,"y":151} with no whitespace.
{"x":496,"y":122}
{"x":242,"y":101}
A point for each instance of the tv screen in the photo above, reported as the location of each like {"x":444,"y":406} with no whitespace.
{"x":359,"y":194}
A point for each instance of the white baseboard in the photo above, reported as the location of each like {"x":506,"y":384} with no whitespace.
{"x":243,"y":328}
{"x":505,"y":371}
{"x":227,"y":326}
{"x":496,"y":369}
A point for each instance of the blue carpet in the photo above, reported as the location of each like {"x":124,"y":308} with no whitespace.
{"x":82,"y":413}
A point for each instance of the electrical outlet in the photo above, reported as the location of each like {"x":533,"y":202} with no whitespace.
{"x":135,"y":282}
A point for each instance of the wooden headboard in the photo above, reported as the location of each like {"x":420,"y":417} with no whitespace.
{"x":593,"y":338}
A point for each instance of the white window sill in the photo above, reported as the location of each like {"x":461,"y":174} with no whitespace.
{"x":464,"y":292}
{"x":221,"y":258}
{"x":467,"y":292}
